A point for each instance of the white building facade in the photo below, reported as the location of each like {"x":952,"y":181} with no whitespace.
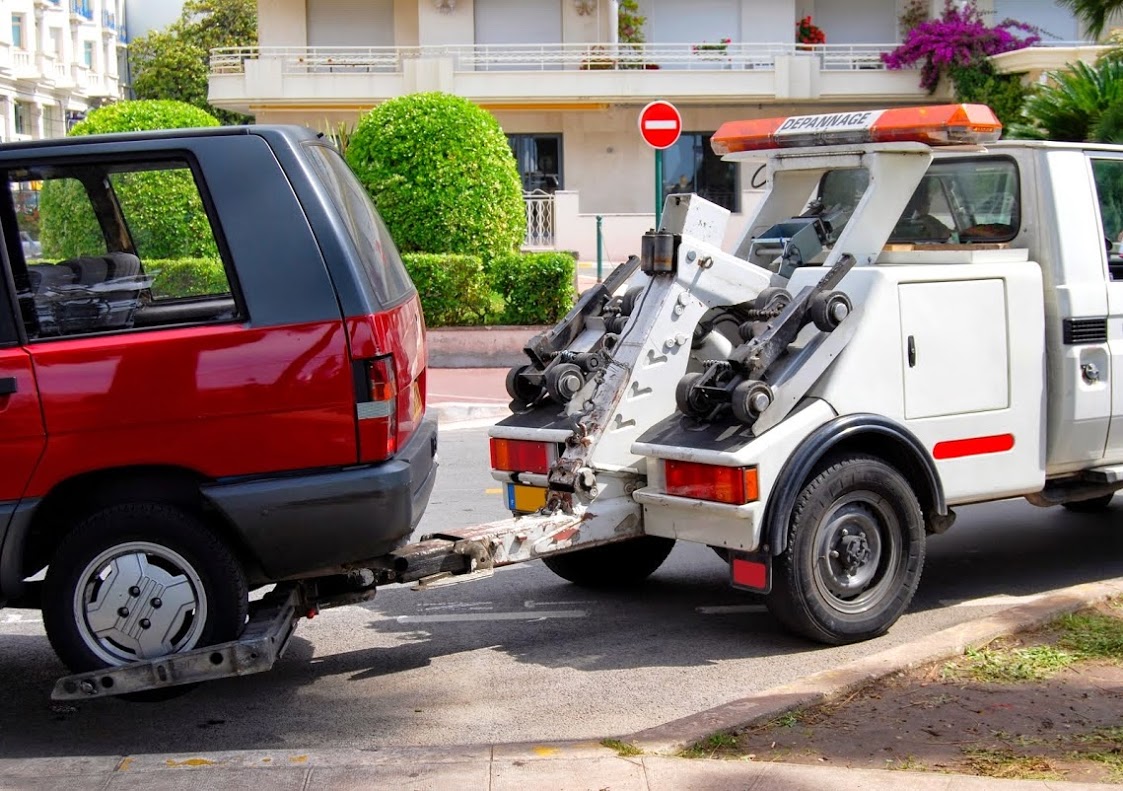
{"x":58,"y":60}
{"x":568,"y":93}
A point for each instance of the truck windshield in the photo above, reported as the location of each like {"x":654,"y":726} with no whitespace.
{"x":376,"y":248}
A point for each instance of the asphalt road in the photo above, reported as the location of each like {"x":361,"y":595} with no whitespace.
{"x":524,"y":656}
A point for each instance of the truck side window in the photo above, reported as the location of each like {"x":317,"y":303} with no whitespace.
{"x":1108,"y":175}
{"x":963,"y":201}
{"x":114,"y":246}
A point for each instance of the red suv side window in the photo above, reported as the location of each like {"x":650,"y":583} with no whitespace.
{"x":110,"y":247}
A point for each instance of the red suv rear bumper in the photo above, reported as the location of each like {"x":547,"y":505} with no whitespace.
{"x":315,"y":521}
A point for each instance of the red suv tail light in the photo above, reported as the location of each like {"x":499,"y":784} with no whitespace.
{"x":735,"y":485}
{"x":390,"y":365}
{"x":376,"y":407}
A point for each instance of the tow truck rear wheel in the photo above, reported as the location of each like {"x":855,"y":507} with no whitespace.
{"x":138,"y":581}
{"x":620,"y":565}
{"x":854,"y":554}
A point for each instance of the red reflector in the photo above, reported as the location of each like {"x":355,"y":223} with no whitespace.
{"x":749,"y":574}
{"x":517,"y":455}
{"x":973,"y":446}
{"x":734,"y":485}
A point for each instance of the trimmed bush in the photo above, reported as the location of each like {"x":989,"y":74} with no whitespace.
{"x":537,"y":288}
{"x":453,"y":288}
{"x":163,"y":209}
{"x":442,"y":175}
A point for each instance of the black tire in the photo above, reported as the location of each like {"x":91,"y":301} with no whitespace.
{"x":620,"y":565}
{"x":1094,"y":505}
{"x":174,"y":556}
{"x":861,"y":506}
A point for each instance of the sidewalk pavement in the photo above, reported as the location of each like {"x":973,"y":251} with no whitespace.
{"x":572,"y":767}
{"x":459,"y":394}
{"x":577,"y":766}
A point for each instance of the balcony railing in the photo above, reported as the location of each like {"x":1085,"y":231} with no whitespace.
{"x":553,"y":57}
{"x":82,"y":8}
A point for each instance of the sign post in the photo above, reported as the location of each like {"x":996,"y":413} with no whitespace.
{"x":660,"y":125}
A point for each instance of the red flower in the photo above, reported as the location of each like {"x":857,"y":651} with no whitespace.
{"x":808,"y":33}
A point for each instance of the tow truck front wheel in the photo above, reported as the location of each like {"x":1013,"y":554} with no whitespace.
{"x":854,"y":554}
{"x":139,"y":581}
{"x":620,"y":565}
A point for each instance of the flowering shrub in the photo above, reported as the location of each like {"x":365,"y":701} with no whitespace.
{"x":959,"y":37}
{"x":706,"y":46}
{"x":808,"y":33}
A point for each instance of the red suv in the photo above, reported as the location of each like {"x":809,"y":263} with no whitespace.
{"x":212,"y":377}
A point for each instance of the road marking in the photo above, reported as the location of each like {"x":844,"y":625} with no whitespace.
{"x":530,"y":604}
{"x":730,"y":609}
{"x":464,"y":425}
{"x":22,"y":617}
{"x":993,"y":601}
{"x":538,"y":615}
{"x":457,"y":605}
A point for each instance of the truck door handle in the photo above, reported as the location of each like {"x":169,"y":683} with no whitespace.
{"x":912,"y":352}
{"x":7,"y":385}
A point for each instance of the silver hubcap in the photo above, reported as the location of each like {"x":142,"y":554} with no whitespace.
{"x":139,"y":601}
{"x":857,"y":551}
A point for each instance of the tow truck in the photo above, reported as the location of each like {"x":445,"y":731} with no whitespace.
{"x":917,"y":317}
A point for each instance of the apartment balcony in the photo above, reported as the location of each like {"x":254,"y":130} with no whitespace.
{"x":1036,"y":62}
{"x":53,"y":71}
{"x":24,"y":66}
{"x":81,"y":11}
{"x":249,"y":78}
{"x":6,"y":67}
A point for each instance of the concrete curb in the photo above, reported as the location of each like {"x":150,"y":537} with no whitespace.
{"x":674,"y":736}
{"x":461,"y":411}
{"x":479,"y":347}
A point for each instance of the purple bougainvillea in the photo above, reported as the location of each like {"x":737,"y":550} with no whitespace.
{"x":958,"y":37}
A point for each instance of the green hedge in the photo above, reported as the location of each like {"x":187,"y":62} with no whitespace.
{"x":537,"y":288}
{"x":453,"y":288}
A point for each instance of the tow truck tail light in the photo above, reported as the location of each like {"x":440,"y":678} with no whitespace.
{"x":734,"y":485}
{"x":517,"y":455}
{"x":936,"y":125}
{"x":376,"y":406}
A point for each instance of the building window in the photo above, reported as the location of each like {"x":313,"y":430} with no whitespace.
{"x":691,"y":165}
{"x":88,"y":54}
{"x":20,"y":119}
{"x":539,"y":161}
{"x":17,"y":31}
{"x":56,"y":41}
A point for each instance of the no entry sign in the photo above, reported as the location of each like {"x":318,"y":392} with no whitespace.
{"x":660,"y":124}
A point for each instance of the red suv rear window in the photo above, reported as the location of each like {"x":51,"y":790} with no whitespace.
{"x":376,"y":248}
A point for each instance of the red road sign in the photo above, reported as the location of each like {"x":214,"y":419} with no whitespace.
{"x":660,"y":124}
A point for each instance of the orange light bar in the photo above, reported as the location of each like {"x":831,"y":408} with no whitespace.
{"x":935,"y":125}
{"x":734,"y":485}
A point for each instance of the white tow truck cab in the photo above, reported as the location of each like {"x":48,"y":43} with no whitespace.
{"x":917,"y":317}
